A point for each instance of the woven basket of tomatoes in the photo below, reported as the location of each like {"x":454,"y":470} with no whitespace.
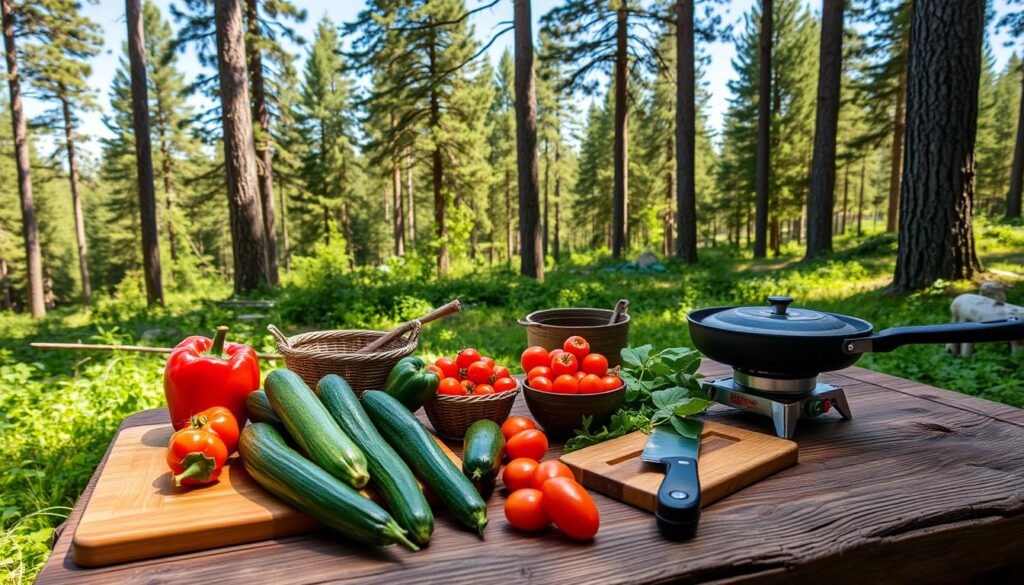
{"x":472,"y":388}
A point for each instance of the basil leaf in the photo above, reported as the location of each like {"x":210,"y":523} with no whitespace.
{"x":668,"y":397}
{"x":691,"y":406}
{"x":686,"y":427}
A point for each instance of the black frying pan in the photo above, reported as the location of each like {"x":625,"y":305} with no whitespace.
{"x":773,"y":342}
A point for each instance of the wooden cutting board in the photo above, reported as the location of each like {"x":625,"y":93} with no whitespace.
{"x":136,"y":512}
{"x":730,"y":459}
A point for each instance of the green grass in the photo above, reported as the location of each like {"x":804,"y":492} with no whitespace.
{"x":59,"y":410}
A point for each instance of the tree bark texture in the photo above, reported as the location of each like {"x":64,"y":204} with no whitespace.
{"x":670,"y":192}
{"x":264,"y":153}
{"x":937,"y":196}
{"x":284,"y":230}
{"x":846,"y":198}
{"x":410,"y":207}
{"x":144,"y":154}
{"x":167,"y":172}
{"x":621,"y":140}
{"x":558,"y":191}
{"x":248,"y":240}
{"x":898,"y":147}
{"x":547,"y":206}
{"x":1013,"y":197}
{"x":399,"y":212}
{"x":76,"y":202}
{"x":860,"y":200}
{"x":531,"y":260}
{"x":761,"y":179}
{"x":823,"y":164}
{"x":508,"y":217}
{"x":686,"y":130}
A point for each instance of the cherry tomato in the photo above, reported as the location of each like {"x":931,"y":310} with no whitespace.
{"x":533,"y":357}
{"x":504,"y":384}
{"x":487,"y":360}
{"x":577,"y":346}
{"x":518,"y":474}
{"x":539,"y":371}
{"x":524,"y":510}
{"x":611,"y":382}
{"x":436,"y":370}
{"x":530,"y":443}
{"x":483,"y":389}
{"x":468,"y":386}
{"x":466,"y":357}
{"x":566,"y":384}
{"x":448,"y":367}
{"x":196,"y":456}
{"x":479,"y":372}
{"x":451,"y":386}
{"x":514,"y":424}
{"x":595,"y":363}
{"x":219,"y":421}
{"x":579,"y":375}
{"x":542,"y":383}
{"x":591,"y":384}
{"x":500,"y":372}
{"x":564,"y":363}
{"x":571,"y":508}
{"x":549,"y":470}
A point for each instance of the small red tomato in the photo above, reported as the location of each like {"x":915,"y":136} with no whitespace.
{"x":466,"y":357}
{"x":611,"y":382}
{"x":500,"y":372}
{"x":219,"y":421}
{"x":487,"y":360}
{"x":524,"y":510}
{"x":504,"y":384}
{"x":468,"y":385}
{"x":580,"y":374}
{"x":479,"y":372}
{"x":533,"y":357}
{"x":566,"y":384}
{"x":549,"y":470}
{"x":436,"y":370}
{"x":564,"y":363}
{"x":483,"y":389}
{"x":591,"y":384}
{"x":577,"y":346}
{"x":539,"y":371}
{"x":571,"y":508}
{"x":595,"y":363}
{"x":450,"y":386}
{"x":196,"y":456}
{"x":514,"y":424}
{"x":542,"y":383}
{"x":518,"y":474}
{"x":530,"y":443}
{"x":448,"y":367}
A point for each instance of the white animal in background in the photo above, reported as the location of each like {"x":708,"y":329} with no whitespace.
{"x":977,"y":308}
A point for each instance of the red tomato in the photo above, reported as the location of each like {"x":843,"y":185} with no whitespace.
{"x":579,"y":375}
{"x":524,"y":510}
{"x":219,"y":421}
{"x":564,"y":363}
{"x":539,"y":371}
{"x":448,"y":367}
{"x":487,"y":360}
{"x":533,"y":357}
{"x":542,"y":383}
{"x":611,"y":382}
{"x":518,"y":474}
{"x":549,"y":470}
{"x":577,"y":346}
{"x":566,"y":384}
{"x":504,"y":384}
{"x":571,"y":508}
{"x":591,"y":384}
{"x":595,"y":363}
{"x":501,"y":372}
{"x":450,"y":386}
{"x":553,"y":354}
{"x":515,"y":424}
{"x":436,"y":370}
{"x":196,"y":456}
{"x":468,"y":386}
{"x":483,"y":389}
{"x":530,"y":443}
{"x":479,"y":372}
{"x":466,"y":357}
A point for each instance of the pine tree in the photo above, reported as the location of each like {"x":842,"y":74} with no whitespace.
{"x":502,"y":155}
{"x":998,"y":103}
{"x":531,"y":258}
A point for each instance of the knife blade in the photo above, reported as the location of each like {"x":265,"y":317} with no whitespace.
{"x":678,"y":508}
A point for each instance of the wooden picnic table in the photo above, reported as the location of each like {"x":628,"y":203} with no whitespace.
{"x":923,"y":485}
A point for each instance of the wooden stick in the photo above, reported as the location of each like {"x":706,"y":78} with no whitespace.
{"x":137,"y":348}
{"x":620,"y":308}
{"x":452,"y":307}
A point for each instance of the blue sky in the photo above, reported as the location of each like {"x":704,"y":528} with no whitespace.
{"x":110,"y":15}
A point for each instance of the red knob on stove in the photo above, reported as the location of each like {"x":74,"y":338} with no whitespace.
{"x":826,"y":405}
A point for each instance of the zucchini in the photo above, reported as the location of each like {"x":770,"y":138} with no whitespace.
{"x":258,"y":407}
{"x":303,"y":485}
{"x":482,"y":452}
{"x":389,"y":473}
{"x":313,"y":428}
{"x":417,"y":447}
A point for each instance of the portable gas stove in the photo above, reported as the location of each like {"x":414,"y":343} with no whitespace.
{"x":784,"y":400}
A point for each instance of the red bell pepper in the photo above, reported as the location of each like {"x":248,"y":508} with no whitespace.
{"x":202,"y":373}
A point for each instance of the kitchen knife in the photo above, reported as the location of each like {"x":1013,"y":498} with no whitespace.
{"x":678,"y":508}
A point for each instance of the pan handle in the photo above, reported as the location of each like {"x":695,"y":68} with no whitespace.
{"x":890,"y":339}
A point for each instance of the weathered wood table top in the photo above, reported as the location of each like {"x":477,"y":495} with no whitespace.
{"x":923,"y":485}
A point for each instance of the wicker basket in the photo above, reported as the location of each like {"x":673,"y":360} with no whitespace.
{"x":549,"y":329}
{"x":452,"y":415}
{"x":314,"y":355}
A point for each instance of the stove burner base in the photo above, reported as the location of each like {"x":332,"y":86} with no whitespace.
{"x":784,"y":410}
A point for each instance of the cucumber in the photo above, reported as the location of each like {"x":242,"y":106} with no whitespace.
{"x":389,"y":473}
{"x":258,"y":407}
{"x":418,"y":448}
{"x":303,"y":485}
{"x":313,"y":428}
{"x":482,"y":452}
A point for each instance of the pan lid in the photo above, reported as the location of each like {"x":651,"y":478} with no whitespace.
{"x":781,"y":319}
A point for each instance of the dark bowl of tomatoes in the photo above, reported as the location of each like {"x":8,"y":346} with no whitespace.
{"x":561,"y":414}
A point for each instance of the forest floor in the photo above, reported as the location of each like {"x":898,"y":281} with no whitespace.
{"x":59,"y":410}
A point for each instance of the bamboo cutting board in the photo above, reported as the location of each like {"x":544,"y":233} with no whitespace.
{"x":730,"y":459}
{"x":135,"y":512}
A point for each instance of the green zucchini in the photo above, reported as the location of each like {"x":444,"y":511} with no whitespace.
{"x":418,"y":448}
{"x":482,"y":451}
{"x":389,"y":473}
{"x":303,"y":485}
{"x":313,"y":428}
{"x":258,"y":407}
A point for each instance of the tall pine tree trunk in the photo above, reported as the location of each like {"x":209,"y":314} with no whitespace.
{"x":76,"y":201}
{"x":547,"y":186}
{"x":410,"y":207}
{"x":396,"y":176}
{"x":860,"y":200}
{"x":144,"y":154}
{"x":5,"y":285}
{"x":1013,"y":197}
{"x":284,"y":230}
{"x":898,"y":146}
{"x":531,"y":259}
{"x":437,"y":163}
{"x":558,"y":192}
{"x":846,"y":197}
{"x":937,"y":197}
{"x":670,"y":192}
{"x":686,"y":130}
{"x":761,"y":179}
{"x":248,"y":240}
{"x":621,"y":140}
{"x":508,"y":217}
{"x":264,"y":154}
{"x":167,"y":174}
{"x":823,"y":164}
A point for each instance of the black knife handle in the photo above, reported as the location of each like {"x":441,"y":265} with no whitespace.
{"x":678,"y":509}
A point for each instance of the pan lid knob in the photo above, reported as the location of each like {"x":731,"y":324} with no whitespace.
{"x":780,"y":303}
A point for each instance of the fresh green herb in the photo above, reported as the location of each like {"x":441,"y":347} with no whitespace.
{"x":662,"y":387}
